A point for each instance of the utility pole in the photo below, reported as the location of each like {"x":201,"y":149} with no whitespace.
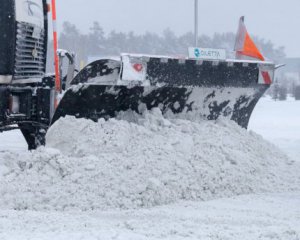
{"x":196,"y":22}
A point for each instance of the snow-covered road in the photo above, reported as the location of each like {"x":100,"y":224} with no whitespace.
{"x":265,"y":217}
{"x":255,"y":216}
{"x":279,"y":122}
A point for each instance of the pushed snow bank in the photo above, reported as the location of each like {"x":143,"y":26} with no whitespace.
{"x":142,"y":161}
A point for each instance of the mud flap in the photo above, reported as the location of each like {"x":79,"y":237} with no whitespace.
{"x":34,"y":135}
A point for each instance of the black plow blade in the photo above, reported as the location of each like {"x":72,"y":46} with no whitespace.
{"x":208,"y":89}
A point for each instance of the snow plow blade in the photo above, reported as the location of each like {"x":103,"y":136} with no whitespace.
{"x":209,"y":89}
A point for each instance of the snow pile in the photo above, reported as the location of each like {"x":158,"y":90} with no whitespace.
{"x":142,"y":161}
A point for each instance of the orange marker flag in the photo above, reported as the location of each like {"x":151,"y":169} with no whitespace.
{"x":244,"y":45}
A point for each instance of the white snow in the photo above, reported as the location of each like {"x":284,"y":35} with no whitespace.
{"x":279,"y":122}
{"x":142,"y":161}
{"x":135,"y":179}
{"x":265,"y":217}
{"x":12,"y":141}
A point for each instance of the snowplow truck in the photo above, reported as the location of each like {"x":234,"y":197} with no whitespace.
{"x":210,"y":88}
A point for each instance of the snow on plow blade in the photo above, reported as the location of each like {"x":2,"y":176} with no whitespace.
{"x":208,"y":88}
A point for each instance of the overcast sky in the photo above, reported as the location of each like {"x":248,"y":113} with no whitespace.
{"x":276,"y":20}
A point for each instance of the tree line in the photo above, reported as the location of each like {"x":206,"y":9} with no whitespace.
{"x":98,"y":43}
{"x":282,"y":88}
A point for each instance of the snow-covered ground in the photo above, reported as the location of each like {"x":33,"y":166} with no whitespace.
{"x":242,"y":187}
{"x":279,"y":122}
{"x":12,"y":141}
{"x":266,"y":217}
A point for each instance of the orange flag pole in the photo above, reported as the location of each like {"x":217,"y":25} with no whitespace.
{"x":55,"y":47}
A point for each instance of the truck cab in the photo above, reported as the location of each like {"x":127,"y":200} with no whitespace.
{"x":25,"y":91}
